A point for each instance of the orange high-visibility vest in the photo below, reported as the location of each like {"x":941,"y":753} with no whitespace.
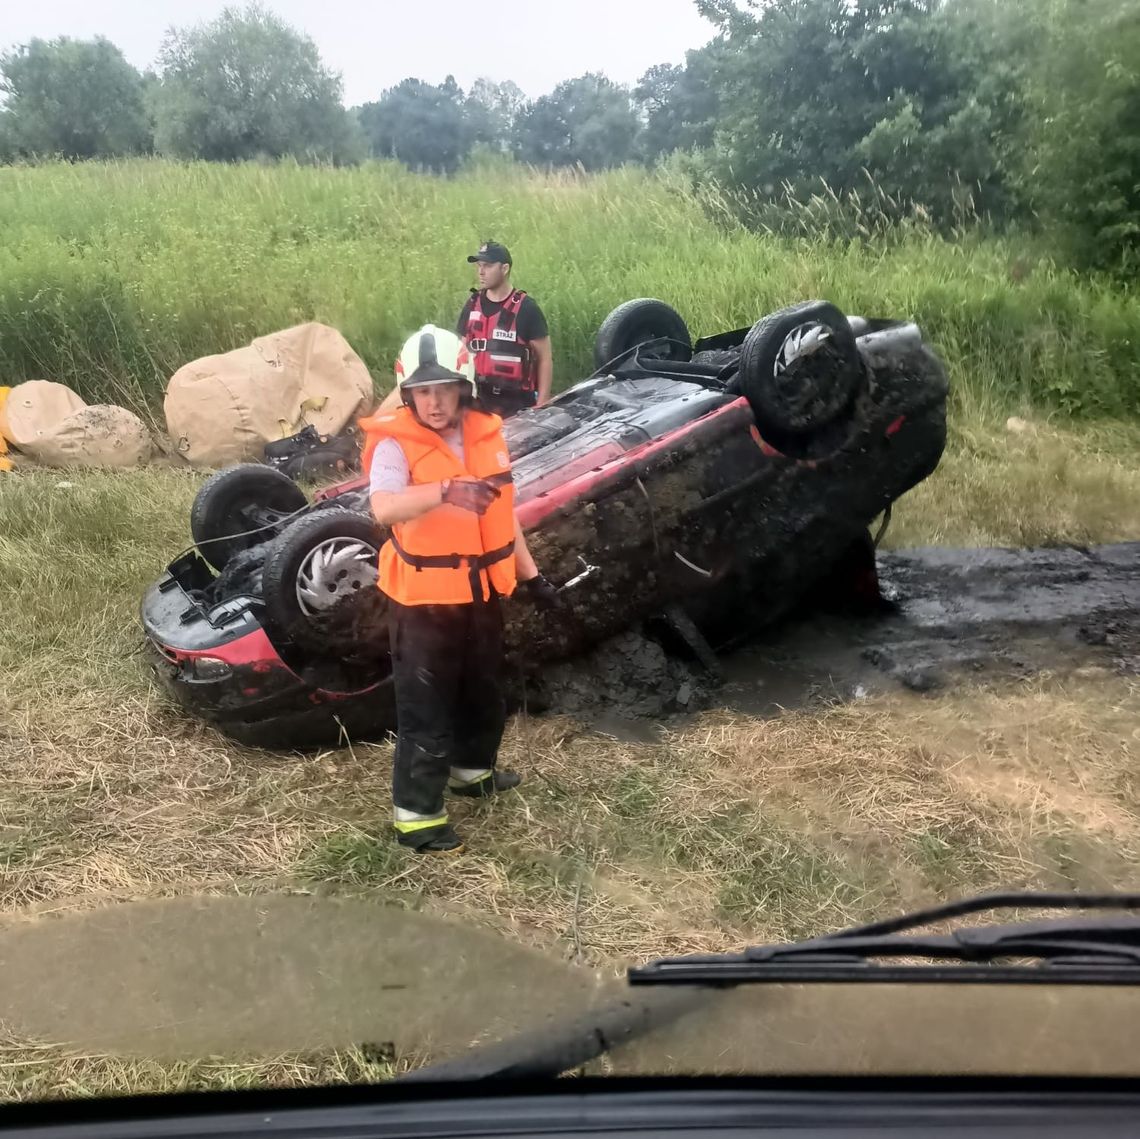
{"x":448,"y":556}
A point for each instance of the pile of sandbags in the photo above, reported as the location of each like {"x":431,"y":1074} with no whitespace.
{"x":224,"y":409}
{"x":53,"y":426}
{"x":219,"y":409}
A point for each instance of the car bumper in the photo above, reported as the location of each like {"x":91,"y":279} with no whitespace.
{"x":220,"y":665}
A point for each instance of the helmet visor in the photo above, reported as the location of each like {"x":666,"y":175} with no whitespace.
{"x":433,"y":374}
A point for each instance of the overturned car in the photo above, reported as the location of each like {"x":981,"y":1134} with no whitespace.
{"x":716,"y":482}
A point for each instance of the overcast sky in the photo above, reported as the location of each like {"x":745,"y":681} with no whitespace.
{"x":376,"y":43}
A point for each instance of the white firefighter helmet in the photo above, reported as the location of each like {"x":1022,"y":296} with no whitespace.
{"x":434,"y":356}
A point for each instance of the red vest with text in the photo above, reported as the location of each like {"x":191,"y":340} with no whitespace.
{"x":502,"y":359}
{"x":448,"y":556}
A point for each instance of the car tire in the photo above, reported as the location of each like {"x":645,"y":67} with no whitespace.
{"x":318,"y":584}
{"x":785,"y":395}
{"x":237,"y":500}
{"x":638,"y":322}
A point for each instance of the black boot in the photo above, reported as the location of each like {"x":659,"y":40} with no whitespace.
{"x":491,"y":784}
{"x":432,"y":840}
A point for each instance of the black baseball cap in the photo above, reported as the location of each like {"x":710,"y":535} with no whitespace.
{"x":492,"y":252}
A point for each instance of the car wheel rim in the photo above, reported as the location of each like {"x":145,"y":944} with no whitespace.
{"x":332,"y":571}
{"x":803,"y":340}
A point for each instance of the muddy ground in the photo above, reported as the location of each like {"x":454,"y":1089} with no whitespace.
{"x":950,"y":615}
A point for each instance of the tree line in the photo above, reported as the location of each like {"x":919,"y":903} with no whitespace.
{"x":1014,"y":114}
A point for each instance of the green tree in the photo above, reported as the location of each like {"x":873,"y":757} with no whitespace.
{"x":678,"y":104}
{"x":247,"y":85}
{"x":75,"y":98}
{"x":918,"y":93}
{"x":1083,"y":157}
{"x":588,"y":120}
{"x":492,"y":110}
{"x":425,"y":126}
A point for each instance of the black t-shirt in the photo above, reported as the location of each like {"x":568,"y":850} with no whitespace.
{"x":530,"y":325}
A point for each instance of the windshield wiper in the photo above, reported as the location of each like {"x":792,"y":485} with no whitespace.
{"x":1097,"y":952}
{"x":559,"y":1048}
{"x":1086,"y":951}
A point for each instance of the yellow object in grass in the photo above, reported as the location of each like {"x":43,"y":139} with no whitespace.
{"x":5,"y":464}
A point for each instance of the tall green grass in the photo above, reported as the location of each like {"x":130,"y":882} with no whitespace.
{"x":113,"y":275}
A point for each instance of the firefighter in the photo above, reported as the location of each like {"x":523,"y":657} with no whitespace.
{"x":440,"y":478}
{"x":507,"y":334}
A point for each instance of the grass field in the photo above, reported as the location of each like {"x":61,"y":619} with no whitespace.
{"x":726,"y":830}
{"x":112,"y":276}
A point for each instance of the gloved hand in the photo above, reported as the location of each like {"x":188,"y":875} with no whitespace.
{"x":543,"y":593}
{"x":469,"y":494}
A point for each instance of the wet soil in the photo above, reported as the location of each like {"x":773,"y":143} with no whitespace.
{"x":630,"y":677}
{"x":951,"y":616}
{"x":956,"y":615}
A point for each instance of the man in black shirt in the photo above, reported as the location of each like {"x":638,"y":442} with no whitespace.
{"x":507,"y":334}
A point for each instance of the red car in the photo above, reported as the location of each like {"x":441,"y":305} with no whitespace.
{"x":719,"y":481}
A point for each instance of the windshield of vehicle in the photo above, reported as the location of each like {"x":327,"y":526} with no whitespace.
{"x":476,"y":520}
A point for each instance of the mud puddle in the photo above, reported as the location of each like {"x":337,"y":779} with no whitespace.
{"x":955,"y":614}
{"x":190,"y":977}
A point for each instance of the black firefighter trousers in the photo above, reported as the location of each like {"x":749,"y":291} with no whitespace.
{"x":447,"y":670}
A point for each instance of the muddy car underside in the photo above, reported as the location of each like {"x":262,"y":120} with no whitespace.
{"x":662,"y":485}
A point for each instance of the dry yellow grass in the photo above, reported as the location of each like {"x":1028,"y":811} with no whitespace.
{"x":1046,"y":485}
{"x":727,"y":830}
{"x":31,"y":1071}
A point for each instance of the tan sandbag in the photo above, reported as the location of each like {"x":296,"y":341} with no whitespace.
{"x":335,"y":384}
{"x":101,"y":435}
{"x":35,"y":408}
{"x":224,"y":409}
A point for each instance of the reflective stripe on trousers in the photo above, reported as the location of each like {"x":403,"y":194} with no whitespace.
{"x":408,"y":822}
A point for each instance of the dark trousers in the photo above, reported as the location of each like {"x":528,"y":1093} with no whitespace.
{"x":447,"y":669}
{"x":504,"y":401}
